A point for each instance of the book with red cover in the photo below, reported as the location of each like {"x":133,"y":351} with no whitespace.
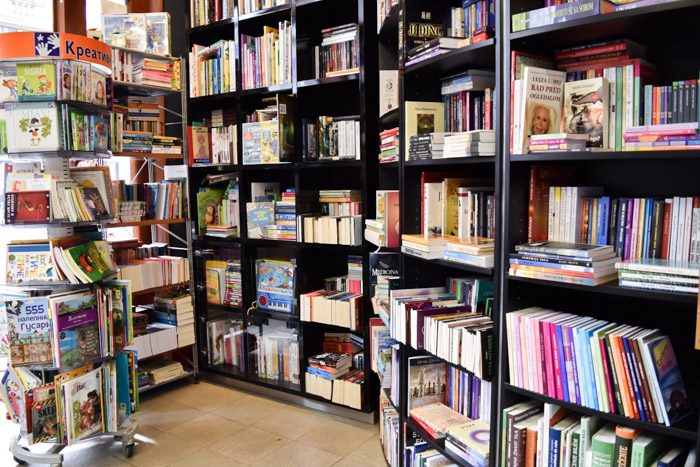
{"x":198,"y":144}
{"x":27,"y":206}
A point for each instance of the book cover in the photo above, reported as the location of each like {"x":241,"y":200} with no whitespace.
{"x":541,"y":103}
{"x":97,"y":179}
{"x":427,"y":378}
{"x":36,"y":81}
{"x":99,"y":128}
{"x":269,"y":142}
{"x":99,"y":88}
{"x":275,"y":285}
{"x":214,"y":279}
{"x":586,"y":107}
{"x":669,"y":379}
{"x":76,"y":330}
{"x":8,"y":85}
{"x":43,"y":414}
{"x":83,"y":396}
{"x":260,"y":215}
{"x":158,"y":33}
{"x":89,"y":260}
{"x":30,"y":262}
{"x":127,"y":31}
{"x":381,"y":264}
{"x":29,"y":328}
{"x":422,"y":118}
{"x":33,"y":127}
{"x":208,"y":201}
{"x":27,"y":207}
{"x":199,"y":142}
{"x":251,"y":143}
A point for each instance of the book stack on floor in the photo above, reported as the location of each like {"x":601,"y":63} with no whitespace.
{"x":155,"y":271}
{"x":340,"y":222}
{"x":161,"y":371}
{"x":579,"y":441}
{"x":389,"y":149}
{"x":266,"y":60}
{"x":572,"y":263}
{"x":384,"y":230}
{"x":470,"y":144}
{"x":226,"y":338}
{"x":640,"y":361}
{"x":224,"y":282}
{"x":330,"y":138}
{"x":224,"y":137}
{"x":658,"y":274}
{"x":555,"y":142}
{"x":338,"y":53}
{"x":212,"y":69}
{"x":176,"y":308}
{"x":468,"y":100}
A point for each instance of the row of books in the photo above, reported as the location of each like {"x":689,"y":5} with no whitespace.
{"x":145,"y":32}
{"x":164,"y":200}
{"x":330,"y":138}
{"x":225,"y":338}
{"x":203,"y":12}
{"x":548,"y":435}
{"x":51,"y":80}
{"x":273,"y":219}
{"x":389,"y":149}
{"x":212,"y":69}
{"x":334,"y":230}
{"x":274,"y":350}
{"x":384,"y":230}
{"x":223,"y":281}
{"x":606,"y":366}
{"x":267,"y":60}
{"x":156,"y":271}
{"x":338,"y":53}
{"x":475,"y":21}
{"x":218,"y":210}
{"x":33,"y":196}
{"x":344,"y":390}
{"x":339,"y":303}
{"x":251,"y":6}
{"x":667,"y":276}
{"x":268,"y":133}
{"x":72,"y":259}
{"x":389,"y":428}
{"x":468,"y":100}
{"x":134,"y":68}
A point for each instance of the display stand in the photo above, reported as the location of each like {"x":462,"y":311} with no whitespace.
{"x":22,"y":47}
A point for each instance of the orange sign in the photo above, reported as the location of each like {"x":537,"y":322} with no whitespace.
{"x":54,"y":45}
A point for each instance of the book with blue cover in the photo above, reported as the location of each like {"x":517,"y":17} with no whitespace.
{"x":275,"y":285}
{"x":29,"y":330}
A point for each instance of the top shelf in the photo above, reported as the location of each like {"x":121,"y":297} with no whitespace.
{"x":479,"y":55}
{"x":265,"y":12}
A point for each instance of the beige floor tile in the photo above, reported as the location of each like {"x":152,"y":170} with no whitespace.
{"x":336,"y":436}
{"x":206,"y":458}
{"x":249,"y":409}
{"x":290,"y":422}
{"x":292,"y":455}
{"x":156,"y":448}
{"x":205,"y":396}
{"x":165,"y":415}
{"x":369,"y":453}
{"x":248,"y":445}
{"x":101,"y":452}
{"x":205,"y":429}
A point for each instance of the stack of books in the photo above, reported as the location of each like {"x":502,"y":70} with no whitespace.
{"x":339,"y":51}
{"x":389,"y":150}
{"x":426,"y":146}
{"x":176,"y":309}
{"x":666,"y":135}
{"x":468,"y":100}
{"x":162,"y":73}
{"x":330,"y":365}
{"x":266,"y":60}
{"x":641,"y":362}
{"x":285,"y":225}
{"x":433,"y":48}
{"x":423,"y":247}
{"x":657,"y":274}
{"x":166,"y":145}
{"x":143,"y":114}
{"x":155,"y":272}
{"x":473,"y":251}
{"x":384,"y":230}
{"x":554,"y":142}
{"x":572,"y":263}
{"x":436,"y":418}
{"x":136,"y":141}
{"x":470,"y":144}
{"x":469,"y":442}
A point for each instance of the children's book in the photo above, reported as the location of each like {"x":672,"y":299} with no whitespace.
{"x":260,"y":215}
{"x":98,"y":178}
{"x":8,"y":82}
{"x":251,"y":143}
{"x":65,"y":78}
{"x":99,"y":91}
{"x":33,"y":127}
{"x":99,"y":126}
{"x":269,"y":142}
{"x":275,"y":285}
{"x":43,"y":422}
{"x":83,"y":396}
{"x":27,"y":207}
{"x":36,"y":81}
{"x":208,"y":201}
{"x":128,"y":31}
{"x":89,"y":261}
{"x":29,"y":330}
{"x":158,"y":33}
{"x":28,"y":262}
{"x":76,"y":331}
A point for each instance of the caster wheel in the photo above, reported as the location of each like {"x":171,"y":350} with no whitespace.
{"x":19,"y":461}
{"x":128,"y":450}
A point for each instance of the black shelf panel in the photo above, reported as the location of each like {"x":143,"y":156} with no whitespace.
{"x":389,"y":30}
{"x":268,"y":242}
{"x":389,"y":165}
{"x":685,"y":430}
{"x":234,"y":310}
{"x":265,"y":242}
{"x":277,"y":166}
{"x":271,"y":314}
{"x":210,"y":28}
{"x":286,"y":87}
{"x":479,"y":55}
{"x":453,"y":265}
{"x":205,"y":241}
{"x":450,"y":162}
{"x":265,"y":12}
{"x":228,"y":370}
{"x":59,"y":154}
{"x":307,"y":83}
{"x":438,"y":444}
{"x":330,"y":164}
{"x":202,"y":100}
{"x":328,"y":327}
{"x":612,"y":288}
{"x":390,"y":119}
{"x":606,"y":156}
{"x":616,"y":24}
{"x":285,"y":386}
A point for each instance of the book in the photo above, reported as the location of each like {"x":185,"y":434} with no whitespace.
{"x":36,"y":81}
{"x":423,"y":118}
{"x":602,"y":447}
{"x":437,"y":418}
{"x":76,"y":334}
{"x":84,"y":405}
{"x":33,"y":127}
{"x":426,"y":377}
{"x":28,"y":262}
{"x":8,"y":82}
{"x":624,"y":440}
{"x":199,"y":145}
{"x":29,"y":327}
{"x":586,"y":104}
{"x":540,"y":110}
{"x":27,"y":207}
{"x":275,"y":285}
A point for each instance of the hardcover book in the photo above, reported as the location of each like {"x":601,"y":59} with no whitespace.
{"x":76,"y":331}
{"x":89,"y":261}
{"x":269,"y":142}
{"x":423,"y":118}
{"x":99,"y":181}
{"x":84,"y":405}
{"x":29,"y":331}
{"x":28,"y":262}
{"x":43,"y":414}
{"x":260,"y":215}
{"x":33,"y":127}
{"x":586,"y":105}
{"x":540,"y":104}
{"x":426,"y":381}
{"x":36,"y":81}
{"x":8,"y":82}
{"x":275,"y":285}
{"x":208,"y":201}
{"x":251,"y":143}
{"x":27,"y":207}
{"x":99,"y":127}
{"x":99,"y":88}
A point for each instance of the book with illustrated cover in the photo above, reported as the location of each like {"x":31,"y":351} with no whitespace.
{"x":423,"y":118}
{"x":275,"y":285}
{"x":671,"y":390}
{"x":29,"y":330}
{"x":96,"y":178}
{"x":84,"y":405}
{"x":127,"y":31}
{"x":44,"y":424}
{"x":586,"y":105}
{"x":8,"y":82}
{"x":27,"y":207}
{"x":199,"y":145}
{"x":76,"y":330}
{"x":89,"y":261}
{"x":269,"y":142}
{"x":28,"y":262}
{"x":36,"y":81}
{"x":540,"y":106}
{"x":99,"y":127}
{"x":260,"y":215}
{"x":122,"y":326}
{"x":81,"y":86}
{"x":33,"y":127}
{"x":215,"y":271}
{"x":65,"y":80}
{"x":208,"y":201}
{"x":427,"y":378}
{"x":99,"y":88}
{"x":158,"y":33}
{"x":251,"y":143}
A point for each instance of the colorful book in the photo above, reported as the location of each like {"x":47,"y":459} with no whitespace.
{"x":36,"y":81}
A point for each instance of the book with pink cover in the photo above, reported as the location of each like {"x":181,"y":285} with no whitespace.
{"x":437,"y":418}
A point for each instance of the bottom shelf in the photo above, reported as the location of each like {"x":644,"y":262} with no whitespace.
{"x":438,"y":444}
{"x":685,"y":430}
{"x":150,"y":387}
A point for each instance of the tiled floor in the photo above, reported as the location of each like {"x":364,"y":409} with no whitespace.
{"x":208,"y":425}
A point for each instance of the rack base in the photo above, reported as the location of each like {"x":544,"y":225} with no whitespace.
{"x":54,"y":457}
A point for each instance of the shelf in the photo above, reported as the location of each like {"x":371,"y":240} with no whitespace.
{"x":211,"y":27}
{"x":226,"y":96}
{"x":162,"y":288}
{"x":275,"y":166}
{"x":143,"y":53}
{"x":612,"y":288}
{"x":389,"y":165}
{"x":146,"y":223}
{"x":228,"y":241}
{"x":607,"y":156}
{"x":329,"y":401}
{"x":224,"y":368}
{"x":268,"y":242}
{"x":265,"y":12}
{"x":450,"y":161}
{"x":307,"y":83}
{"x":330,"y":164}
{"x":684,"y":430}
{"x":271,"y":314}
{"x":329,"y":327}
{"x":438,"y":444}
{"x":51,"y":285}
{"x":479,"y":55}
{"x":187,"y":374}
{"x":225,"y":308}
{"x":143,"y":89}
{"x":147,"y":155}
{"x":453,"y":265}
{"x":77,"y":155}
{"x":286,"y":87}
{"x":58,"y":224}
{"x":617,"y":24}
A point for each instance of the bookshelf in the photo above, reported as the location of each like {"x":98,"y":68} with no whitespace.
{"x":352,"y":95}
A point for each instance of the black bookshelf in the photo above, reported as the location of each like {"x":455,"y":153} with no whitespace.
{"x":352,"y":94}
{"x":639,"y":173}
